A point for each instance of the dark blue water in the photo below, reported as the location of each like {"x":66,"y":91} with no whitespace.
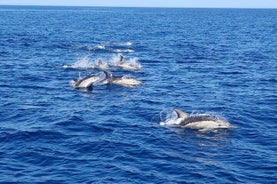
{"x":222,"y":61}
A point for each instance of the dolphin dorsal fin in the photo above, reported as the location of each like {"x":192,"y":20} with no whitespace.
{"x":108,"y":75}
{"x":181,"y":114}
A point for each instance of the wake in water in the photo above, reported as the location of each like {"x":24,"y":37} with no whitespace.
{"x":119,"y":47}
{"x":122,"y":50}
{"x":115,"y":47}
{"x":85,"y":62}
{"x":128,"y":43}
{"x":87,"y":47}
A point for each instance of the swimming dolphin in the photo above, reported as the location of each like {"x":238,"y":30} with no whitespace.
{"x":87,"y":82}
{"x":126,"y":81}
{"x":201,"y":122}
{"x":128,"y":66}
{"x":123,"y":64}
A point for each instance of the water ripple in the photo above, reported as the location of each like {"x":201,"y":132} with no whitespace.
{"x":199,"y":60}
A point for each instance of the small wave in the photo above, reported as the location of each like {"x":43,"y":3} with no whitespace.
{"x":33,"y":135}
{"x":122,"y":50}
{"x":128,"y":43}
{"x":86,"y":47}
{"x":99,"y":47}
{"x":93,"y":48}
{"x":116,"y":47}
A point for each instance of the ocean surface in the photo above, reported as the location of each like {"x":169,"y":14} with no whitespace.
{"x":219,"y":61}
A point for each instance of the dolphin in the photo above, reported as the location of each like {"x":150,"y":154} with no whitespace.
{"x":128,"y":66}
{"x":202,"y":122}
{"x":89,"y":81}
{"x":126,"y":81}
{"x":123,"y":64}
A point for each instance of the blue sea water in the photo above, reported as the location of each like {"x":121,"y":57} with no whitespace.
{"x":221,"y":61}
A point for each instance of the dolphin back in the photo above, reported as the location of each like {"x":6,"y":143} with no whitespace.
{"x":198,"y":118}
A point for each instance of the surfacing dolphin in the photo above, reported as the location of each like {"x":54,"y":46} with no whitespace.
{"x":128,"y":66}
{"x":123,"y":64}
{"x":89,"y":81}
{"x":126,"y":81}
{"x":202,"y":122}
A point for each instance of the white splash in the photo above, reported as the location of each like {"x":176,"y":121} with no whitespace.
{"x":168,"y":117}
{"x":86,"y":63}
{"x":81,"y":63}
{"x":101,"y":64}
